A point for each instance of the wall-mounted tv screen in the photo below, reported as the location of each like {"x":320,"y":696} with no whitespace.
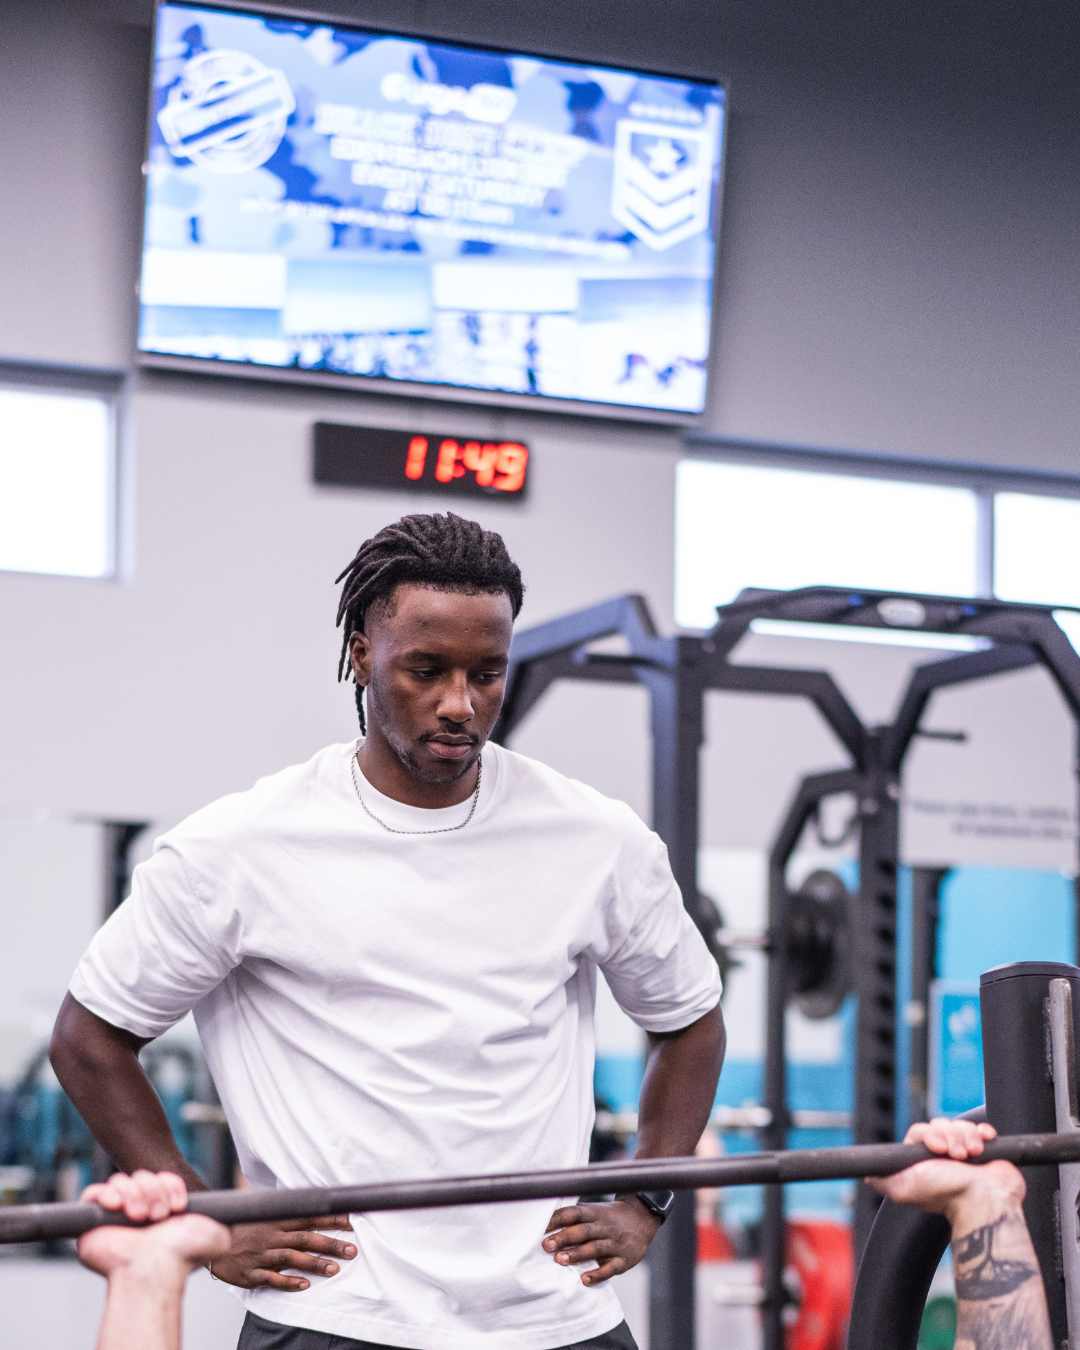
{"x":336,"y":200}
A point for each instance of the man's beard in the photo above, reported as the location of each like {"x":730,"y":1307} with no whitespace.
{"x":404,"y":752}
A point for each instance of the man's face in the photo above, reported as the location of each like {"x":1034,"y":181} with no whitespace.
{"x":434,"y":664}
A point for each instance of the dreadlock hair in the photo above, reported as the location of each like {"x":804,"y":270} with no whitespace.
{"x":444,"y":552}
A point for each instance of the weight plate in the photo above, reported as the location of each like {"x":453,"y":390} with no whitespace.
{"x":819,"y":945}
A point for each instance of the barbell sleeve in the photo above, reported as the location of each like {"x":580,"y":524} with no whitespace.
{"x":36,"y":1223}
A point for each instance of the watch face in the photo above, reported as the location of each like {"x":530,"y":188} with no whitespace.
{"x":657,"y":1201}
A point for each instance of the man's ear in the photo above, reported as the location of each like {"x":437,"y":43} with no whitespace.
{"x":360,"y":658}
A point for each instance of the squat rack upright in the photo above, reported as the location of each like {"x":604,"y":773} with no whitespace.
{"x":677,"y":672}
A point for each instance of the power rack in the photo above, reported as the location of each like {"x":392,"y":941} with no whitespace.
{"x":677,"y":672}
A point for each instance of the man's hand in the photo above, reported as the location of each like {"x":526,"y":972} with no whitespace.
{"x":941,"y":1185}
{"x":615,"y":1234}
{"x":677,"y":1094}
{"x":261,"y":1251}
{"x":162,"y":1249}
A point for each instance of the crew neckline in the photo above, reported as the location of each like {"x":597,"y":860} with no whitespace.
{"x":418,"y":819}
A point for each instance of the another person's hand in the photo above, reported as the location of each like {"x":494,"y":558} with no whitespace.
{"x":176,"y":1246}
{"x":1000,"y":1298}
{"x":615,"y":1234}
{"x":261,"y":1251}
{"x":939,"y":1184}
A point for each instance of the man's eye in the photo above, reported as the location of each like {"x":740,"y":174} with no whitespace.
{"x":426,"y":674}
{"x":490,"y":676}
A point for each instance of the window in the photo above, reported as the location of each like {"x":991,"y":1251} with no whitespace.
{"x":57,"y":482}
{"x":1037,"y":554}
{"x":739,"y":525}
{"x":1037,"y":549}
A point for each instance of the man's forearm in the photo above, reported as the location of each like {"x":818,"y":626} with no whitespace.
{"x":679,"y":1088}
{"x":1000,"y":1299}
{"x":98,"y":1067}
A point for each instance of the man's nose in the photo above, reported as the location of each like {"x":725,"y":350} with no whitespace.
{"x":456,"y":705}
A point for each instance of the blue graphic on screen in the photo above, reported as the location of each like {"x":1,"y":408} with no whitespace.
{"x":324,"y":199}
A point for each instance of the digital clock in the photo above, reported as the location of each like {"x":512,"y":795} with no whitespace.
{"x":419,"y":461}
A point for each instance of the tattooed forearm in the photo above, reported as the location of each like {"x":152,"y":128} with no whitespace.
{"x":1020,"y":1326}
{"x":1001,"y":1304}
{"x":980,"y":1274}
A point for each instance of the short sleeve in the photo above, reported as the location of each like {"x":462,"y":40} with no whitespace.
{"x":155,"y":958}
{"x":656,"y":963}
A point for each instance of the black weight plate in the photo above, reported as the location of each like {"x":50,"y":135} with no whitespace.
{"x":819,"y":945}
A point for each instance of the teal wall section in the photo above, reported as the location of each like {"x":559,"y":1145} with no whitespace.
{"x":993,"y":915}
{"x":617,"y":1080}
{"x":989,"y":916}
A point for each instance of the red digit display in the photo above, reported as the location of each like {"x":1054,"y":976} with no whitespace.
{"x":510,"y":462}
{"x":481,"y":459}
{"x":447,"y":467}
{"x":414,"y":460}
{"x":350,"y":456}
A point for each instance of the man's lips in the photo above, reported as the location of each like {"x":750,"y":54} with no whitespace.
{"x":451,"y":750}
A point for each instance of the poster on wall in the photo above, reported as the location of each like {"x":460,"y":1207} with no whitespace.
{"x":329,"y":199}
{"x":998,"y":786}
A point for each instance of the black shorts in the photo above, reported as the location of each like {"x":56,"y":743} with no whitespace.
{"x":259,"y":1334}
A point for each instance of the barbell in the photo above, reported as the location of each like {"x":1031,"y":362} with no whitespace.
{"x":36,"y":1223}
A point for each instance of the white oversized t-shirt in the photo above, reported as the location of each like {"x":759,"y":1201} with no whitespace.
{"x":378,"y":1006}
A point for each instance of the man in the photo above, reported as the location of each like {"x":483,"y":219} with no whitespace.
{"x":1000,"y":1298}
{"x":391,"y":953}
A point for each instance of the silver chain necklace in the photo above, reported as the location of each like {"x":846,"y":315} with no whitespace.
{"x":448,"y":829}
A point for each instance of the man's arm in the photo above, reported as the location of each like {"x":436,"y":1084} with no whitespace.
{"x":1000,"y":1299}
{"x":98,"y":1067}
{"x":677,"y":1096}
{"x":679,"y":1089}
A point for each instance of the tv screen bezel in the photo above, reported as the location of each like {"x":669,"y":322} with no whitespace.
{"x":429,"y":391}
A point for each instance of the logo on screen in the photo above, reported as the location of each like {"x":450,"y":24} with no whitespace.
{"x":662,"y":181}
{"x":227,"y":113}
{"x":481,"y":103}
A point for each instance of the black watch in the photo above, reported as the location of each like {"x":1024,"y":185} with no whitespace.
{"x":657,"y":1202}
